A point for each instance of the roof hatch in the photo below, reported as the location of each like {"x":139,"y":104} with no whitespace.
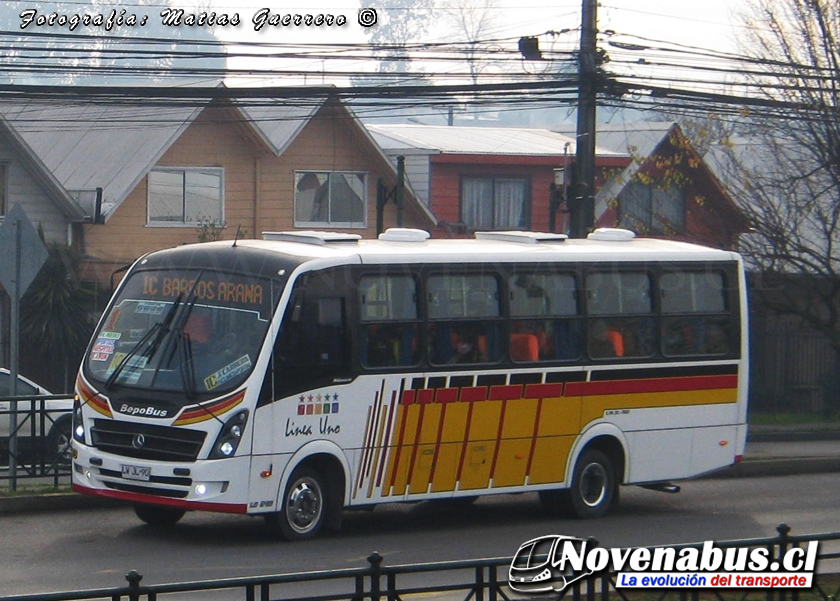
{"x":521,"y":237}
{"x":404,"y":234}
{"x":611,"y":234}
{"x":312,"y":237}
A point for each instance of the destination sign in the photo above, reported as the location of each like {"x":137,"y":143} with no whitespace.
{"x":214,"y":288}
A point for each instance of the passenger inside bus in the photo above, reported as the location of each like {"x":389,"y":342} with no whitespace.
{"x":390,"y":345}
{"x":605,"y":340}
{"x":467,"y":348}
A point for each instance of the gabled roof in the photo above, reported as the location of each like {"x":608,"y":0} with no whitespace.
{"x":279,"y":124}
{"x":639,"y":140}
{"x":83,"y":146}
{"x":635,"y":139}
{"x":90,"y":145}
{"x":435,"y":139}
{"x":65,"y":202}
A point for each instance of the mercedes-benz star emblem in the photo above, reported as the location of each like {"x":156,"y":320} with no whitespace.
{"x":138,"y":441}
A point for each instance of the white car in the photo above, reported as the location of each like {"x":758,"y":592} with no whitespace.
{"x":57,"y":418}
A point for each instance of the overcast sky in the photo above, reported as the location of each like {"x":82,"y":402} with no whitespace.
{"x":705,"y":24}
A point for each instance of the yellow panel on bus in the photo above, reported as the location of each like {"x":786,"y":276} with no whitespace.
{"x":452,"y":437}
{"x":478,"y":457}
{"x":515,"y":447}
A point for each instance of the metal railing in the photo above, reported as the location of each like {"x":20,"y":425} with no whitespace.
{"x":470,"y":580}
{"x":35,"y":446}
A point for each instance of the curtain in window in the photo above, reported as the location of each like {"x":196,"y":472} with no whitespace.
{"x":510,"y":204}
{"x":488,"y":203}
{"x":477,"y":203}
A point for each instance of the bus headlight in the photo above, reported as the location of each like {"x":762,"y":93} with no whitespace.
{"x":229,"y":437}
{"x":78,"y":422}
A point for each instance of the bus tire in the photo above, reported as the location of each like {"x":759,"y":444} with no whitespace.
{"x":593,"y":486}
{"x":159,"y":516}
{"x":304,"y":509}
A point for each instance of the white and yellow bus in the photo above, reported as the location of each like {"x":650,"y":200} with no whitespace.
{"x":308,"y":372}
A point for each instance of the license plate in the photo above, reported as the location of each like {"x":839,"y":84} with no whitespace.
{"x":135,"y":472}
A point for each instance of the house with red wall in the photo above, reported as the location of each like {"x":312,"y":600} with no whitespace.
{"x":648,"y":179}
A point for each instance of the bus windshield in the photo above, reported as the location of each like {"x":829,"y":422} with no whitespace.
{"x":191,"y":332}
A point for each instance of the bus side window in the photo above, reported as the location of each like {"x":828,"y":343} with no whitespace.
{"x":620,"y":312}
{"x":695,"y":319}
{"x":390,"y":324}
{"x":545,"y":322}
{"x":313,"y":341}
{"x":324,"y":331}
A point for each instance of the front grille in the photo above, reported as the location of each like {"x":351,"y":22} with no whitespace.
{"x":159,"y":443}
{"x":147,"y":490}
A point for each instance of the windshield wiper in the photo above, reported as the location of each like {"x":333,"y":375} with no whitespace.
{"x":156,"y":334}
{"x":187,"y":365}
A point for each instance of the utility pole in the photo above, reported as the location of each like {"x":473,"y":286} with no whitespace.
{"x":581,"y":201}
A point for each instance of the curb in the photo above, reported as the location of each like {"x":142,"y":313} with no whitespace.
{"x":71,"y":501}
{"x":49,"y":502}
{"x":779,"y":467}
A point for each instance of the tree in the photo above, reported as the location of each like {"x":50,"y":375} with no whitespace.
{"x":785,"y":172}
{"x":472,"y":22}
{"x":403,"y":21}
{"x":55,"y":321}
{"x":106,"y":42}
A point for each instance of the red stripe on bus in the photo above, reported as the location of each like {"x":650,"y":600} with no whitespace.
{"x":473,"y":393}
{"x":425,"y":396}
{"x":153,"y":499}
{"x":651,"y":385}
{"x":407,"y":397}
{"x":505,"y":393}
{"x":543,"y":391}
{"x":446,"y":395}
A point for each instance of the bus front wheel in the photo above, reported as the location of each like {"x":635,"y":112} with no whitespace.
{"x":304,"y":508}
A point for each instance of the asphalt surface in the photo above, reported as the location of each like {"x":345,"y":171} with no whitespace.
{"x":770,"y":452}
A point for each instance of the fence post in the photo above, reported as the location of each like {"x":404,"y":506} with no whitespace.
{"x":479,"y":583}
{"x":784,"y":543}
{"x":134,"y":579}
{"x":375,"y":561}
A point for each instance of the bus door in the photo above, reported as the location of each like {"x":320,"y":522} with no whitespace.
{"x":309,"y":367}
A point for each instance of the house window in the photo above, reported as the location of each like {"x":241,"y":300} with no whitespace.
{"x":495,"y":203}
{"x":186,"y":196}
{"x":650,"y":209}
{"x":330,"y":199}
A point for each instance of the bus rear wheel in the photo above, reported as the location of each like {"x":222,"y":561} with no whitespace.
{"x":159,"y":515}
{"x":593,"y":485}
{"x":304,"y":508}
{"x":592,"y":492}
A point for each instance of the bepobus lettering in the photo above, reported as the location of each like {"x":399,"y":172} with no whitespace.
{"x":143,"y":411}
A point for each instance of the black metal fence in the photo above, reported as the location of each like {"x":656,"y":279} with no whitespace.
{"x":473,"y":580}
{"x":35,"y":434}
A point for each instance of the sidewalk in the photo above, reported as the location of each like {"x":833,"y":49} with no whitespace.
{"x":783,"y":450}
{"x":771,"y":451}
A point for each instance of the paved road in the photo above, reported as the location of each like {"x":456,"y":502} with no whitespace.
{"x":79,"y":549}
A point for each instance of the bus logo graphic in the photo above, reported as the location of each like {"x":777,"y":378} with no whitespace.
{"x":540,"y":564}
